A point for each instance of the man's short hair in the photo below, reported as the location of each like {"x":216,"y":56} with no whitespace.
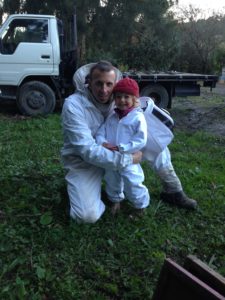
{"x":102,"y":66}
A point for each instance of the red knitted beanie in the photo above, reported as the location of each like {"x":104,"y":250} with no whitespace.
{"x":128,"y":86}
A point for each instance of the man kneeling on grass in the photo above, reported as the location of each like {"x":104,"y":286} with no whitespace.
{"x":85,"y":161}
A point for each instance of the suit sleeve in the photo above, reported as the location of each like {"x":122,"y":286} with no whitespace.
{"x":79,"y":138}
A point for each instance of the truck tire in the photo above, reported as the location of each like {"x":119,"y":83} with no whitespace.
{"x":36,"y":98}
{"x":158,"y":93}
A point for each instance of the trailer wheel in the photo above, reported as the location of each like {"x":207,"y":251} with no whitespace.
{"x":36,"y":98}
{"x":158,"y":93}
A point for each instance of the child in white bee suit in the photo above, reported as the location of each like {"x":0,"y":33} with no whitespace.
{"x":125,"y":130}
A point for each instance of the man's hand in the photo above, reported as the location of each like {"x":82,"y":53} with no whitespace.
{"x":110,"y":147}
{"x":137,"y":156}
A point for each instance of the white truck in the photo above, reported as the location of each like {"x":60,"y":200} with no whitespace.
{"x":37,"y":63}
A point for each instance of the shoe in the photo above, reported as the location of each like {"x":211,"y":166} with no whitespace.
{"x":137,"y":213}
{"x":115,"y":208}
{"x":180,"y":199}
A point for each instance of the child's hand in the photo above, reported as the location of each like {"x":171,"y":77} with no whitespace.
{"x":110,"y":147}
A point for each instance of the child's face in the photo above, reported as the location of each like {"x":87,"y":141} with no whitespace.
{"x":124,"y":101}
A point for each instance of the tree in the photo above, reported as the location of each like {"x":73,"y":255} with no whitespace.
{"x":11,"y":7}
{"x":153,"y":47}
{"x":198,"y":41}
{"x":127,"y":29}
{"x":1,"y":11}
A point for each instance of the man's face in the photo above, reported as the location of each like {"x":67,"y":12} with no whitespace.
{"x":102,"y":84}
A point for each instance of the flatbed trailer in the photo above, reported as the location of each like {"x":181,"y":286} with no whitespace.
{"x":163,"y":86}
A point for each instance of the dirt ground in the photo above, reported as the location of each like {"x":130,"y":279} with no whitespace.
{"x":206,"y":113}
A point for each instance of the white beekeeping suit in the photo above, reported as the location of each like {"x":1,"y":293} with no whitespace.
{"x":156,"y":152}
{"x":129,"y":134}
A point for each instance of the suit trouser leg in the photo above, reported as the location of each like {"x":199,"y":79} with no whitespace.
{"x":84,"y":190}
{"x":163,"y":167}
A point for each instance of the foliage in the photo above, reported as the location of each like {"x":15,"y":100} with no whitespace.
{"x":1,"y":11}
{"x":149,"y":52}
{"x":44,"y":255}
{"x":220,"y":57}
{"x":199,"y":40}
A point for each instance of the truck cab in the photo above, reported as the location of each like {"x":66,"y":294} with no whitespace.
{"x":31,"y":59}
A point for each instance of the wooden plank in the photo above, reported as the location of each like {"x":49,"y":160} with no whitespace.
{"x":176,"y":283}
{"x":205,"y":273}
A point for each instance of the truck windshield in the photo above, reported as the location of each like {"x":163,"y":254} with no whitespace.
{"x":24,"y":30}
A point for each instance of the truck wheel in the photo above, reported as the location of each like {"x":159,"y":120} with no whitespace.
{"x":158,"y":93}
{"x":36,"y":98}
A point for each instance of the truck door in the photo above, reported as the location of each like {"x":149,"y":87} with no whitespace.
{"x":25,"y":49}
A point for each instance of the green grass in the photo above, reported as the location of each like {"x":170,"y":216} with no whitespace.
{"x":45,"y":255}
